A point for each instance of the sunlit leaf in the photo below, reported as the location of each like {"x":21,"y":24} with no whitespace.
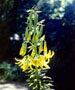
{"x":42,"y":38}
{"x":42,"y":21}
{"x":30,"y":10}
{"x":32,"y":76}
{"x":31,"y":84}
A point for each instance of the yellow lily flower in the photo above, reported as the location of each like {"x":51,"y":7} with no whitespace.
{"x":37,"y":61}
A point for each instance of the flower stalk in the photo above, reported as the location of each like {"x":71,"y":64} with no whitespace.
{"x":36,"y":56}
{"x":37,"y":77}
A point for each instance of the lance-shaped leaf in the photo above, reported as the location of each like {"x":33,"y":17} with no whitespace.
{"x":35,"y":19}
{"x":23,"y":49}
{"x":30,"y":10}
{"x":35,"y":87}
{"x":42,"y":21}
{"x":30,"y":49}
{"x":42,"y":38}
{"x":33,"y":38}
{"x":30,"y":24}
{"x":37,"y":37}
{"x":26,"y":33}
{"x":29,"y":36}
{"x":31,"y":84}
{"x":41,"y":30}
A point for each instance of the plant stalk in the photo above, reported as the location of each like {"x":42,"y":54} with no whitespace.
{"x":37,"y":77}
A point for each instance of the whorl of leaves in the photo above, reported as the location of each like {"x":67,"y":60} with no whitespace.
{"x":45,"y":82}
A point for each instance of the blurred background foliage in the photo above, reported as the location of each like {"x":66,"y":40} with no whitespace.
{"x":11,"y":72}
{"x":59,"y":28}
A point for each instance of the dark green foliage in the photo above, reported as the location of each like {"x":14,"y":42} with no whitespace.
{"x":11,"y":72}
{"x":53,"y":9}
{"x":8,"y":71}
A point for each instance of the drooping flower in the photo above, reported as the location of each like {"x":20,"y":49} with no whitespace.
{"x":37,"y":61}
{"x":24,"y":63}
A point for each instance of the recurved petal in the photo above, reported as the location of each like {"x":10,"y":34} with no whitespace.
{"x":52,"y":54}
{"x":46,"y":66}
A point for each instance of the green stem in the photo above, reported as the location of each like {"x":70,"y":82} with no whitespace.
{"x":35,"y":45}
{"x":37,"y":77}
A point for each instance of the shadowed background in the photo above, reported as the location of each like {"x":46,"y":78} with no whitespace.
{"x":59,"y":29}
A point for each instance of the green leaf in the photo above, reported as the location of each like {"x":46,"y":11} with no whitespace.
{"x":41,"y":30}
{"x":37,"y":37}
{"x":35,"y":87}
{"x":42,"y":21}
{"x":49,"y":84}
{"x":29,"y":36}
{"x":32,"y":76}
{"x":35,"y":80}
{"x":30,"y":49}
{"x":30,"y":24}
{"x":30,"y":10}
{"x":42,"y":38}
{"x":31,"y":84}
{"x":33,"y":38}
{"x":46,"y":77}
{"x":35,"y":19}
{"x":26,"y":33}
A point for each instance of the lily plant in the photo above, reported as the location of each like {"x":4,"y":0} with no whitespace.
{"x":35,"y":55}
